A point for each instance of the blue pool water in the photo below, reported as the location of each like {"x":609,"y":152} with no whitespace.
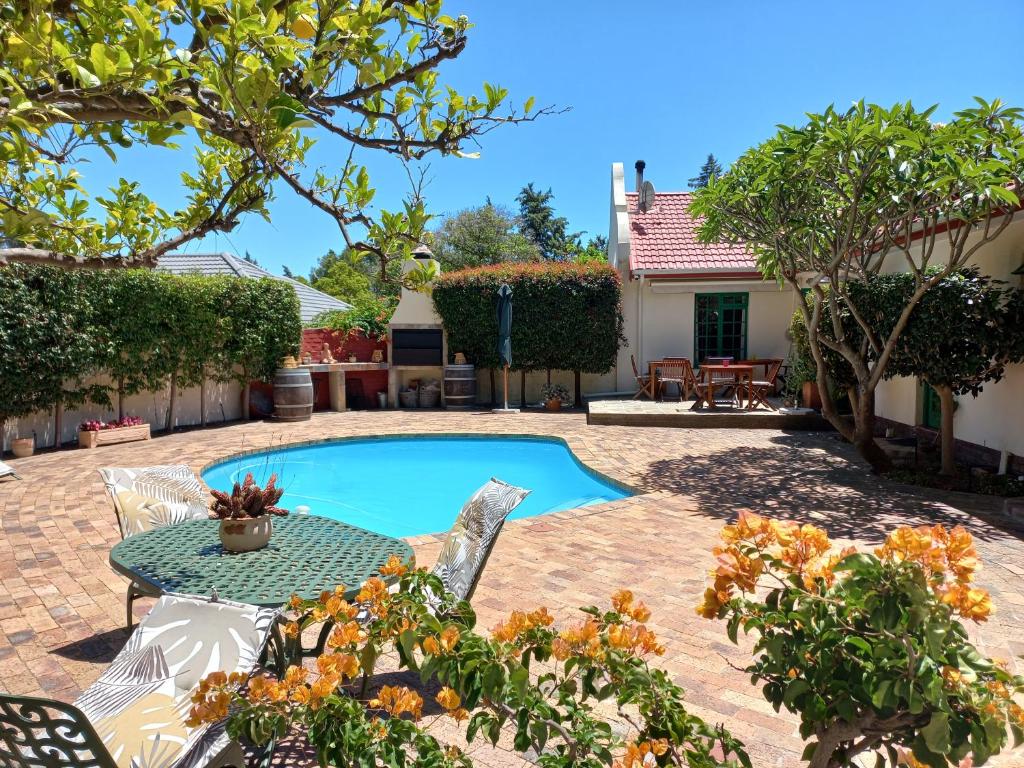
{"x":405,"y":486}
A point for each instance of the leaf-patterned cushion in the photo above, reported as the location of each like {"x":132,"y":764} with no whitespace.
{"x":151,"y":497}
{"x":473,"y":535}
{"x":140,"y":704}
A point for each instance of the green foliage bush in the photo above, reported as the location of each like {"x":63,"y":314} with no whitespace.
{"x":60,"y":328}
{"x":369,"y":314}
{"x":565,"y":316}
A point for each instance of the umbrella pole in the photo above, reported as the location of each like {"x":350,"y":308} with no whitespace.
{"x":506,"y":387}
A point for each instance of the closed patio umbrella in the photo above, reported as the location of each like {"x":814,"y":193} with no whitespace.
{"x":505,"y":334}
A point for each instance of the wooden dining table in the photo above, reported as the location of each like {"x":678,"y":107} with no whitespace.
{"x":718,"y":375}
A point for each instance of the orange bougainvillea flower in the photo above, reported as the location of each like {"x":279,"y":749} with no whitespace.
{"x":806,"y":544}
{"x":431,"y":646}
{"x":973,"y":604}
{"x":519,"y":623}
{"x":623,"y":602}
{"x":449,"y":637}
{"x":642,"y":754}
{"x":448,"y":698}
{"x":394,"y":567}
{"x":347,"y":634}
{"x":397,"y":701}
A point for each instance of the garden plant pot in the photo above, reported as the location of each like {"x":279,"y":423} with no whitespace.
{"x":246,"y":534}
{"x":23,"y":446}
{"x":94,"y":438}
{"x":554,"y":404}
{"x":809,"y":395}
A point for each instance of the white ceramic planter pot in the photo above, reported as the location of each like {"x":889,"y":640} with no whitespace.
{"x":22,"y":447}
{"x":246,"y":534}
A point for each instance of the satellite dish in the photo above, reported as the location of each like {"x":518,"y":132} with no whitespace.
{"x":646,"y":199}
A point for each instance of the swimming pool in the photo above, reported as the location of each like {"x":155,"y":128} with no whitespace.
{"x":411,"y":485}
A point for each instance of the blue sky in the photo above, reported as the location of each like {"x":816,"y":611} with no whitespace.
{"x":665,"y":81}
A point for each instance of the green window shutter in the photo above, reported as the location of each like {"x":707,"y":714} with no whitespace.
{"x":931,"y":413}
{"x":720,"y":325}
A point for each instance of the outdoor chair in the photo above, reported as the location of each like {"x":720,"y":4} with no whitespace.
{"x":678,"y":371}
{"x":134,"y":714}
{"x":6,"y":470}
{"x":145,"y":498}
{"x":723,"y":382}
{"x":643,"y":381}
{"x":761,"y":389}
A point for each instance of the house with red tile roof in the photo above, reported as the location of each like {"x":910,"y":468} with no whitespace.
{"x":684,"y":298}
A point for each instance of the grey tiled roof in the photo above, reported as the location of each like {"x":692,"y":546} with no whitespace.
{"x":311,"y":301}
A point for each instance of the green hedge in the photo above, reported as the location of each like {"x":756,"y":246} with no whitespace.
{"x":564,"y":316}
{"x":143,"y":329}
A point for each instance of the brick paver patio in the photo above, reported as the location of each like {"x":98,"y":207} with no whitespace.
{"x":62,"y":610}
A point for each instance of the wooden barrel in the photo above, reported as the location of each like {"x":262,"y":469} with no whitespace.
{"x":459,"y":386}
{"x":293,"y":394}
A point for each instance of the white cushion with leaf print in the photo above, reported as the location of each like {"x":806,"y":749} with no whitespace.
{"x":473,"y":534}
{"x":140,"y":704}
{"x":152,"y":497}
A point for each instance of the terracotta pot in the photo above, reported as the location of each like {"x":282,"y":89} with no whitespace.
{"x":554,"y":404}
{"x":810,"y":397}
{"x":23,"y":446}
{"x":246,"y":534}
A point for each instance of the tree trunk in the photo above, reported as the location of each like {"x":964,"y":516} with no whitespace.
{"x":245,"y":401}
{"x":864,"y":434}
{"x":120,"y":397}
{"x":549,"y":375}
{"x":578,"y":402}
{"x":948,"y":405}
{"x":169,"y":423}
{"x":58,"y":421}
{"x":522,"y":388}
{"x":202,"y":399}
{"x":494,"y":394}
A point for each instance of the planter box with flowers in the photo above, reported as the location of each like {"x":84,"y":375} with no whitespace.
{"x":554,"y":396}
{"x":246,"y":514}
{"x":126,"y":430}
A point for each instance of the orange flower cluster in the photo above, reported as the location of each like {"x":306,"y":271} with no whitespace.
{"x":801,"y":550}
{"x":374,"y":596}
{"x":950,"y":556}
{"x":643,"y":754}
{"x":581,"y":640}
{"x":443,"y":644}
{"x":212,"y":698}
{"x":519,"y":623}
{"x":636,"y":640}
{"x":395,"y":567}
{"x":346,"y":635}
{"x":622,"y":602}
{"x":398,"y":701}
{"x":452,"y":704}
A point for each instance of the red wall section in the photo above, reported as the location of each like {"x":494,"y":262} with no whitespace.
{"x":355,"y":343}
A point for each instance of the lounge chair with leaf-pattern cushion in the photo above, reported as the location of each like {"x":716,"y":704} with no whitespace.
{"x":472,"y":537}
{"x":145,"y":498}
{"x":134,"y":715}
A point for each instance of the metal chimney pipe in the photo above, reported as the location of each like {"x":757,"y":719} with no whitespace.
{"x":640,"y":165}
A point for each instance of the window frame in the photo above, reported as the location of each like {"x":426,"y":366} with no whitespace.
{"x":741,"y":300}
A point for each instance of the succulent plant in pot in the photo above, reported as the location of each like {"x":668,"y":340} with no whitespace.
{"x":246,"y":514}
{"x":554,"y":396}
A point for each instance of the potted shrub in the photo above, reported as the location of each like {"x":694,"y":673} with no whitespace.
{"x":22,"y":447}
{"x":96,"y":432}
{"x":802,"y":374}
{"x":246,"y":514}
{"x":554,"y":396}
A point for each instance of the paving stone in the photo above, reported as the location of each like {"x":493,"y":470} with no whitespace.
{"x":61,"y":607}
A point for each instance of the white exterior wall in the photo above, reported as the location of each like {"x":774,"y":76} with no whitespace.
{"x":994,"y":419}
{"x":659,"y":320}
{"x":223,"y":403}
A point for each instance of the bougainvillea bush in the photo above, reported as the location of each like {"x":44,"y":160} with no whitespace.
{"x":543,"y":683}
{"x":868,"y":648}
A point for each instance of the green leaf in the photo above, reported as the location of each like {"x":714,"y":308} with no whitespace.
{"x":936,"y":733}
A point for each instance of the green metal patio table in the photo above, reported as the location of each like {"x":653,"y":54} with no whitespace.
{"x":307,"y":555}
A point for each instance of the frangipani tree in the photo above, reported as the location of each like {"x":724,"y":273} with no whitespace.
{"x":850,"y":195}
{"x":254,"y":83}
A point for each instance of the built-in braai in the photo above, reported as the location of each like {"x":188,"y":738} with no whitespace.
{"x":417,"y":346}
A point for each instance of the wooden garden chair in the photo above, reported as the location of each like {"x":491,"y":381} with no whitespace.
{"x":643,"y":381}
{"x":760,"y":390}
{"x":678,"y":371}
{"x":135,"y":713}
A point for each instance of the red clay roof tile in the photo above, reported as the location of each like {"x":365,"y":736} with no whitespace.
{"x":665,"y":238}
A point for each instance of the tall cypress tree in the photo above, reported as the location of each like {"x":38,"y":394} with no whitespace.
{"x":539,"y":223}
